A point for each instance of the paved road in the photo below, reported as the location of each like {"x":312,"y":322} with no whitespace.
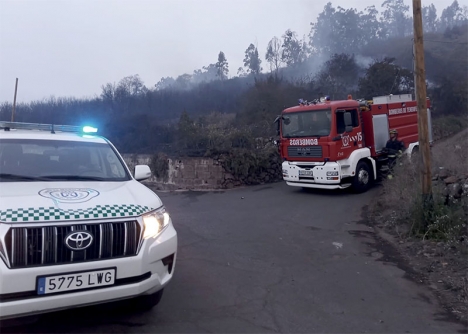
{"x":273,"y":259}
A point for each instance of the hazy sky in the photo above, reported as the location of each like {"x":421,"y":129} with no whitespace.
{"x":71,"y":48}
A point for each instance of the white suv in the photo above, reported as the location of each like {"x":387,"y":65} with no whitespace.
{"x":76,"y":227}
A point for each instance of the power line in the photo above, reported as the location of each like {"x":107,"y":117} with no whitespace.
{"x":447,"y":42}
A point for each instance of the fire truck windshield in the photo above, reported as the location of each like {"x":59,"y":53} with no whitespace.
{"x":314,"y":123}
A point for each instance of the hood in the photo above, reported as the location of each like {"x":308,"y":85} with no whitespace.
{"x":66,"y":201}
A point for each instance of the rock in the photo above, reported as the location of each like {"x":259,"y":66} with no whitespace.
{"x":450,"y":179}
{"x":443,"y":173}
{"x":455,"y":190}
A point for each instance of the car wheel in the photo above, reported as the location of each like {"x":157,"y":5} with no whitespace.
{"x":363,"y":178}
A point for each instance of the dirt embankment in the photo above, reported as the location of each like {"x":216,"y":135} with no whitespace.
{"x":435,"y":245}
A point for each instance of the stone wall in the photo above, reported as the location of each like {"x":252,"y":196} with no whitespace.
{"x":224,"y":171}
{"x":183,"y":173}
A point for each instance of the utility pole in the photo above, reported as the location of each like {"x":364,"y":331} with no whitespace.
{"x":423,"y":128}
{"x":14,"y":102}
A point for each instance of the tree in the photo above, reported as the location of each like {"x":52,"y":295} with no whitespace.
{"x":252,"y":61}
{"x":222,"y":67}
{"x":395,"y":21}
{"x":108,"y":92}
{"x":430,"y":21}
{"x":383,"y":77}
{"x":369,"y":25}
{"x":339,"y":30}
{"x":452,"y":16}
{"x":165,"y":83}
{"x":241,"y":72}
{"x":130,"y":86}
{"x":187,"y":134}
{"x":339,"y":76}
{"x":293,"y":53}
{"x":183,"y":81}
{"x":207,"y":74}
{"x":273,"y":54}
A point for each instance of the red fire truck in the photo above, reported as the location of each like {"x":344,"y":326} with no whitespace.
{"x":339,"y":144}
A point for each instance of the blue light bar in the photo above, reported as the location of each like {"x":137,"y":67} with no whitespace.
{"x":46,"y":127}
{"x":89,"y":129}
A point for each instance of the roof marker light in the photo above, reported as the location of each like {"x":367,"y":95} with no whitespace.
{"x":89,"y":129}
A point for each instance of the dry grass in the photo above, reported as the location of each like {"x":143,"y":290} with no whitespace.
{"x":401,"y":204}
{"x":452,"y":154}
{"x":435,"y":243}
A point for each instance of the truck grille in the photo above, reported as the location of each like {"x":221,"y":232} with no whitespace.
{"x":305,"y":151}
{"x":39,"y":246}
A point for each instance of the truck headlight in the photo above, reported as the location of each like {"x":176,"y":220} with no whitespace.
{"x":332,"y":173}
{"x":155,"y":222}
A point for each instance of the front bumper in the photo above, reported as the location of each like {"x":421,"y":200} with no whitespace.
{"x":142,"y":274}
{"x":320,"y":175}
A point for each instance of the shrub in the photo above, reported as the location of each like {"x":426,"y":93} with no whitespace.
{"x":253,"y":166}
{"x":160,"y":166}
{"x":446,"y":218}
{"x":447,"y":126}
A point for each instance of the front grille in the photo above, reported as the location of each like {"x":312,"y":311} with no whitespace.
{"x":305,"y":151}
{"x":36,"y":246}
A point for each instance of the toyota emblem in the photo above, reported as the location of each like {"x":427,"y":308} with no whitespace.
{"x":78,"y":240}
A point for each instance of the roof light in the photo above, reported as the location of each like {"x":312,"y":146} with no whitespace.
{"x":89,"y":129}
{"x":7,"y":126}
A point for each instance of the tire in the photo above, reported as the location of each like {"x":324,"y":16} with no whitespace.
{"x":363,"y":178}
{"x":147,"y":302}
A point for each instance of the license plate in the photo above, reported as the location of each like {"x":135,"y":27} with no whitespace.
{"x":306,"y":173}
{"x":75,"y":281}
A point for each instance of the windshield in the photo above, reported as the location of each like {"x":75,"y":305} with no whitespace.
{"x":314,"y":123}
{"x":56,"y":160}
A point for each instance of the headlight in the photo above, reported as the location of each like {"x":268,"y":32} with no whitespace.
{"x":155,"y":222}
{"x":332,"y":173}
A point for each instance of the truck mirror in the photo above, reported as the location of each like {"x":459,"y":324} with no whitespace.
{"x":277,"y":123}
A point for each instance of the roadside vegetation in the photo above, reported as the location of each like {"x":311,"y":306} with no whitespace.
{"x":435,"y":242}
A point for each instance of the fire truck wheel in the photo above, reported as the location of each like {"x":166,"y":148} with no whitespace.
{"x":363,"y":178}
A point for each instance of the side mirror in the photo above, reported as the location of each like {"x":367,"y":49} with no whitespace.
{"x":142,"y":172}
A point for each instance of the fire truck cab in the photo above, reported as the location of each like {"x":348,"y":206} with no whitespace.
{"x":338,"y":144}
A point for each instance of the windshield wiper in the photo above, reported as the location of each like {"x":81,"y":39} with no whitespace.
{"x":17,"y":177}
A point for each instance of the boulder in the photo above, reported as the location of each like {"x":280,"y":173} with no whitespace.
{"x":443,"y":173}
{"x":451,"y":179}
{"x":455,"y":190}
